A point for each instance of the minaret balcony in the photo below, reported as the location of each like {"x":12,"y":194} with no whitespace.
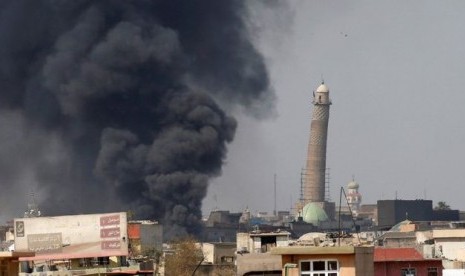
{"x":321,"y":102}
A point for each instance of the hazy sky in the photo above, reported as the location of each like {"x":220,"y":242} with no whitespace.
{"x":396,"y":74}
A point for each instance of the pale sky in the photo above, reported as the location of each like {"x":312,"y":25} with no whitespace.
{"x":396,"y":74}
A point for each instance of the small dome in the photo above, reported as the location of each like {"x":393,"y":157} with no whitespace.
{"x":353,"y":185}
{"x":312,"y":235}
{"x":397,"y":227}
{"x":322,"y":88}
{"x":312,"y":213}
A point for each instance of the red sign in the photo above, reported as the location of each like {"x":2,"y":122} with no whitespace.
{"x":109,"y":220}
{"x":134,"y":231}
{"x":111,"y":245}
{"x":110,"y":233}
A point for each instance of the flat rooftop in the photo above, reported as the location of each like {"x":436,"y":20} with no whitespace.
{"x":15,"y":254}
{"x":312,"y":250}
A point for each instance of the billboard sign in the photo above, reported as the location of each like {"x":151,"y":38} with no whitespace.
{"x":67,"y":237}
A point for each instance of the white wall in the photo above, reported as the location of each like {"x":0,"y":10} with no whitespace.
{"x":453,"y":272}
{"x":450,"y":248}
{"x":80,"y":234}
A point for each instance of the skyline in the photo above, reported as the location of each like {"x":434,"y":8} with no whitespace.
{"x":395,"y":72}
{"x":395,"y":75}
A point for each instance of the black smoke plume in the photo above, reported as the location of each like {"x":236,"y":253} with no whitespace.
{"x":119,"y":105}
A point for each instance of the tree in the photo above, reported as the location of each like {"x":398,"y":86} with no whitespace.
{"x":442,"y":205}
{"x":185,"y":258}
{"x":224,"y":270}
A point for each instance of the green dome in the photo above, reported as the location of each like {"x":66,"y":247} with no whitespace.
{"x":314,"y":214}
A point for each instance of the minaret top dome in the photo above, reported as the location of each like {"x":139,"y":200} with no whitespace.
{"x":322,"y":88}
{"x":353,"y":185}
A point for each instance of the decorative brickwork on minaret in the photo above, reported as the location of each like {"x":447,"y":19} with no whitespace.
{"x":314,"y":185}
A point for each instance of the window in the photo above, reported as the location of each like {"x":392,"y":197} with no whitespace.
{"x":227,"y":259}
{"x":432,"y":271}
{"x":319,"y":268}
{"x":408,"y":272}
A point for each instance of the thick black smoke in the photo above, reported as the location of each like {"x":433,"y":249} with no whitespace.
{"x":119,"y":103}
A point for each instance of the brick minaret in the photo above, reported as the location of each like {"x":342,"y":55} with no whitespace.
{"x":314,"y":184}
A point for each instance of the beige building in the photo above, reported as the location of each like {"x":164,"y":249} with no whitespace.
{"x":261,"y":242}
{"x":254,"y":257}
{"x":449,"y":244}
{"x":219,"y":259}
{"x":325,"y":261}
{"x":219,"y":252}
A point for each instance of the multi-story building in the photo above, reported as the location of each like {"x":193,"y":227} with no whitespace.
{"x":325,"y":261}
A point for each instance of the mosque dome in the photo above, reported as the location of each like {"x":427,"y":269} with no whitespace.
{"x":312,"y":235}
{"x":353,"y":185}
{"x":313,"y":213}
{"x":322,"y":88}
{"x":398,"y":227}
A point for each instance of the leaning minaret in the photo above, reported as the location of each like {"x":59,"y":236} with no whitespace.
{"x":314,"y":184}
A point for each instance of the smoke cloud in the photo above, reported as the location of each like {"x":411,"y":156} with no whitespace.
{"x":120,"y":105}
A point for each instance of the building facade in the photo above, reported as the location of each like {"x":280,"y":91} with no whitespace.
{"x":404,"y":261}
{"x":326,"y":261}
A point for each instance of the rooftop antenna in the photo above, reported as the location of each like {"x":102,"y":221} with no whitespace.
{"x":274,"y":211}
{"x":32,"y":208}
{"x":216,"y":202}
{"x":290,"y":198}
{"x":343,"y":192}
{"x":322,"y":79}
{"x":32,"y":196}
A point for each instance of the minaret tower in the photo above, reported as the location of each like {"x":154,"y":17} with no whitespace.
{"x":314,"y":185}
{"x":354,"y":198}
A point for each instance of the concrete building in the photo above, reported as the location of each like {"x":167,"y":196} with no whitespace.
{"x":453,"y":272}
{"x":404,"y":261}
{"x":391,"y":212}
{"x":7,"y":237}
{"x":254,"y":264}
{"x":398,"y":239}
{"x":219,"y":259}
{"x":434,"y":240}
{"x":9,"y":262}
{"x":221,"y":226}
{"x":253,"y":252}
{"x":449,"y":245}
{"x":261,"y":242}
{"x":71,"y":245}
{"x":145,"y":238}
{"x":327,"y":261}
{"x":369,"y":211}
{"x":219,"y":252}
